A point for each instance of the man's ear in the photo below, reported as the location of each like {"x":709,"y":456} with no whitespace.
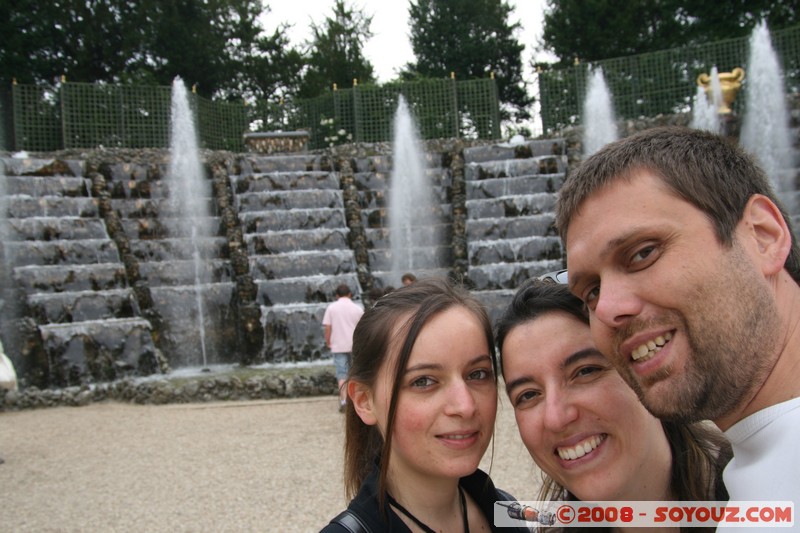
{"x":361,"y":396}
{"x":767,"y":227}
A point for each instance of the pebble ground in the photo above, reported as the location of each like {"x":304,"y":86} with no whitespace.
{"x":231,"y":466}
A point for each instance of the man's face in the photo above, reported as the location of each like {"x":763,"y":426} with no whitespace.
{"x":689,"y":323}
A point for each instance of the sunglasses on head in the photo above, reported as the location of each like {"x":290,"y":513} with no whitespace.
{"x":557,"y":276}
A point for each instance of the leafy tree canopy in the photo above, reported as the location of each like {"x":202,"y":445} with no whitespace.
{"x":217,"y":44}
{"x":591,"y":30}
{"x":472,"y":40}
{"x":336,"y":52}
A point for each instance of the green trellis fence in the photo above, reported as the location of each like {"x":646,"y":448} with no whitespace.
{"x":663,"y":82}
{"x":87,"y":115}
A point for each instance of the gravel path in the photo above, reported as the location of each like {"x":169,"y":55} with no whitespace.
{"x":235,"y":466}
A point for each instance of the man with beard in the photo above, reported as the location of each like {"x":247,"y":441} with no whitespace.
{"x":689,"y":267}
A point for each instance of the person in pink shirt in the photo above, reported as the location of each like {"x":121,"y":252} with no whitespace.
{"x":340,"y":321}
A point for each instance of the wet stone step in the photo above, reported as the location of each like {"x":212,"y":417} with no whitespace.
{"x":372,"y":181}
{"x":70,"y":278}
{"x":281,"y":181}
{"x":547,"y":147}
{"x":62,"y":252}
{"x":185,"y":272}
{"x":384,"y":163}
{"x":183,"y":318}
{"x":152,"y":208}
{"x":423,"y":257}
{"x":381,"y":198}
{"x":494,"y":152}
{"x":254,"y":164}
{"x":132,"y":189}
{"x":527,"y":149}
{"x":296,"y":219}
{"x":309,"y":289}
{"x":511,"y":206}
{"x":499,"y":187}
{"x":509,"y":275}
{"x":80,"y":306}
{"x":126,"y":172}
{"x":51,"y":206}
{"x":275,"y":242}
{"x":56,"y":228}
{"x":106,"y":350}
{"x":511,"y":228}
{"x":180,"y":301}
{"x":515,"y":250}
{"x":509,"y":168}
{"x":178,"y":248}
{"x":293,"y":332}
{"x":372,"y":199}
{"x":164,"y":228}
{"x":381,"y":181}
{"x":379,"y":217}
{"x":296,"y":264}
{"x":423,"y":236}
{"x":43,"y":167}
{"x":37,"y":186}
{"x":301,"y":199}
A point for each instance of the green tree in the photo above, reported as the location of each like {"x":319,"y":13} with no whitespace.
{"x":472,"y":40}
{"x":714,"y":21}
{"x":86,"y":41}
{"x":218,"y":45}
{"x":591,"y":30}
{"x":335,"y":52}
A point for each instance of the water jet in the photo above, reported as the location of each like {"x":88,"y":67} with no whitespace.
{"x":598,"y":114}
{"x":765,"y":126}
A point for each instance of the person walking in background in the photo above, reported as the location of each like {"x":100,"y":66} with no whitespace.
{"x":582,"y":424}
{"x":689,"y":267}
{"x":340,"y":321}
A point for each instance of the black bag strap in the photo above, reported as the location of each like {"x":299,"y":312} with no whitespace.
{"x":505,"y":495}
{"x":351,"y":522}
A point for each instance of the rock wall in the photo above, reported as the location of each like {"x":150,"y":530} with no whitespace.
{"x":320,"y":382}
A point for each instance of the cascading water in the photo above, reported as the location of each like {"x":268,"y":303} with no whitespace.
{"x":599,"y":123}
{"x":6,"y":263}
{"x":4,"y":233}
{"x":411,"y":207}
{"x":188,"y":190}
{"x":705,"y":110}
{"x":765,"y":126}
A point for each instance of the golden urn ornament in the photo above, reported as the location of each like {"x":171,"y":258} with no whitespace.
{"x":730,"y":83}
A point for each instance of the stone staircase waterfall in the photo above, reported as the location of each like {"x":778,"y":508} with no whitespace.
{"x":107,"y":286}
{"x":293,"y":217}
{"x":511,"y":194}
{"x":68,"y":310}
{"x":433,"y":244}
{"x":180,"y":295}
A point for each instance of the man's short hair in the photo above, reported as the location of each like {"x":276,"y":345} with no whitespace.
{"x":343,"y":290}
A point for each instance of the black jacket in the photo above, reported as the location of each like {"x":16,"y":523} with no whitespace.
{"x":365,"y":505}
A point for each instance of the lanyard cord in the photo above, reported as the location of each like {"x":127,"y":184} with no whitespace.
{"x":421,"y":524}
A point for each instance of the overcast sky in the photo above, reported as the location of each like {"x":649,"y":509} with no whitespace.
{"x":389,"y":49}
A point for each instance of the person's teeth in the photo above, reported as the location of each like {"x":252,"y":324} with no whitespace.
{"x":580,"y":449}
{"x":648,"y":349}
